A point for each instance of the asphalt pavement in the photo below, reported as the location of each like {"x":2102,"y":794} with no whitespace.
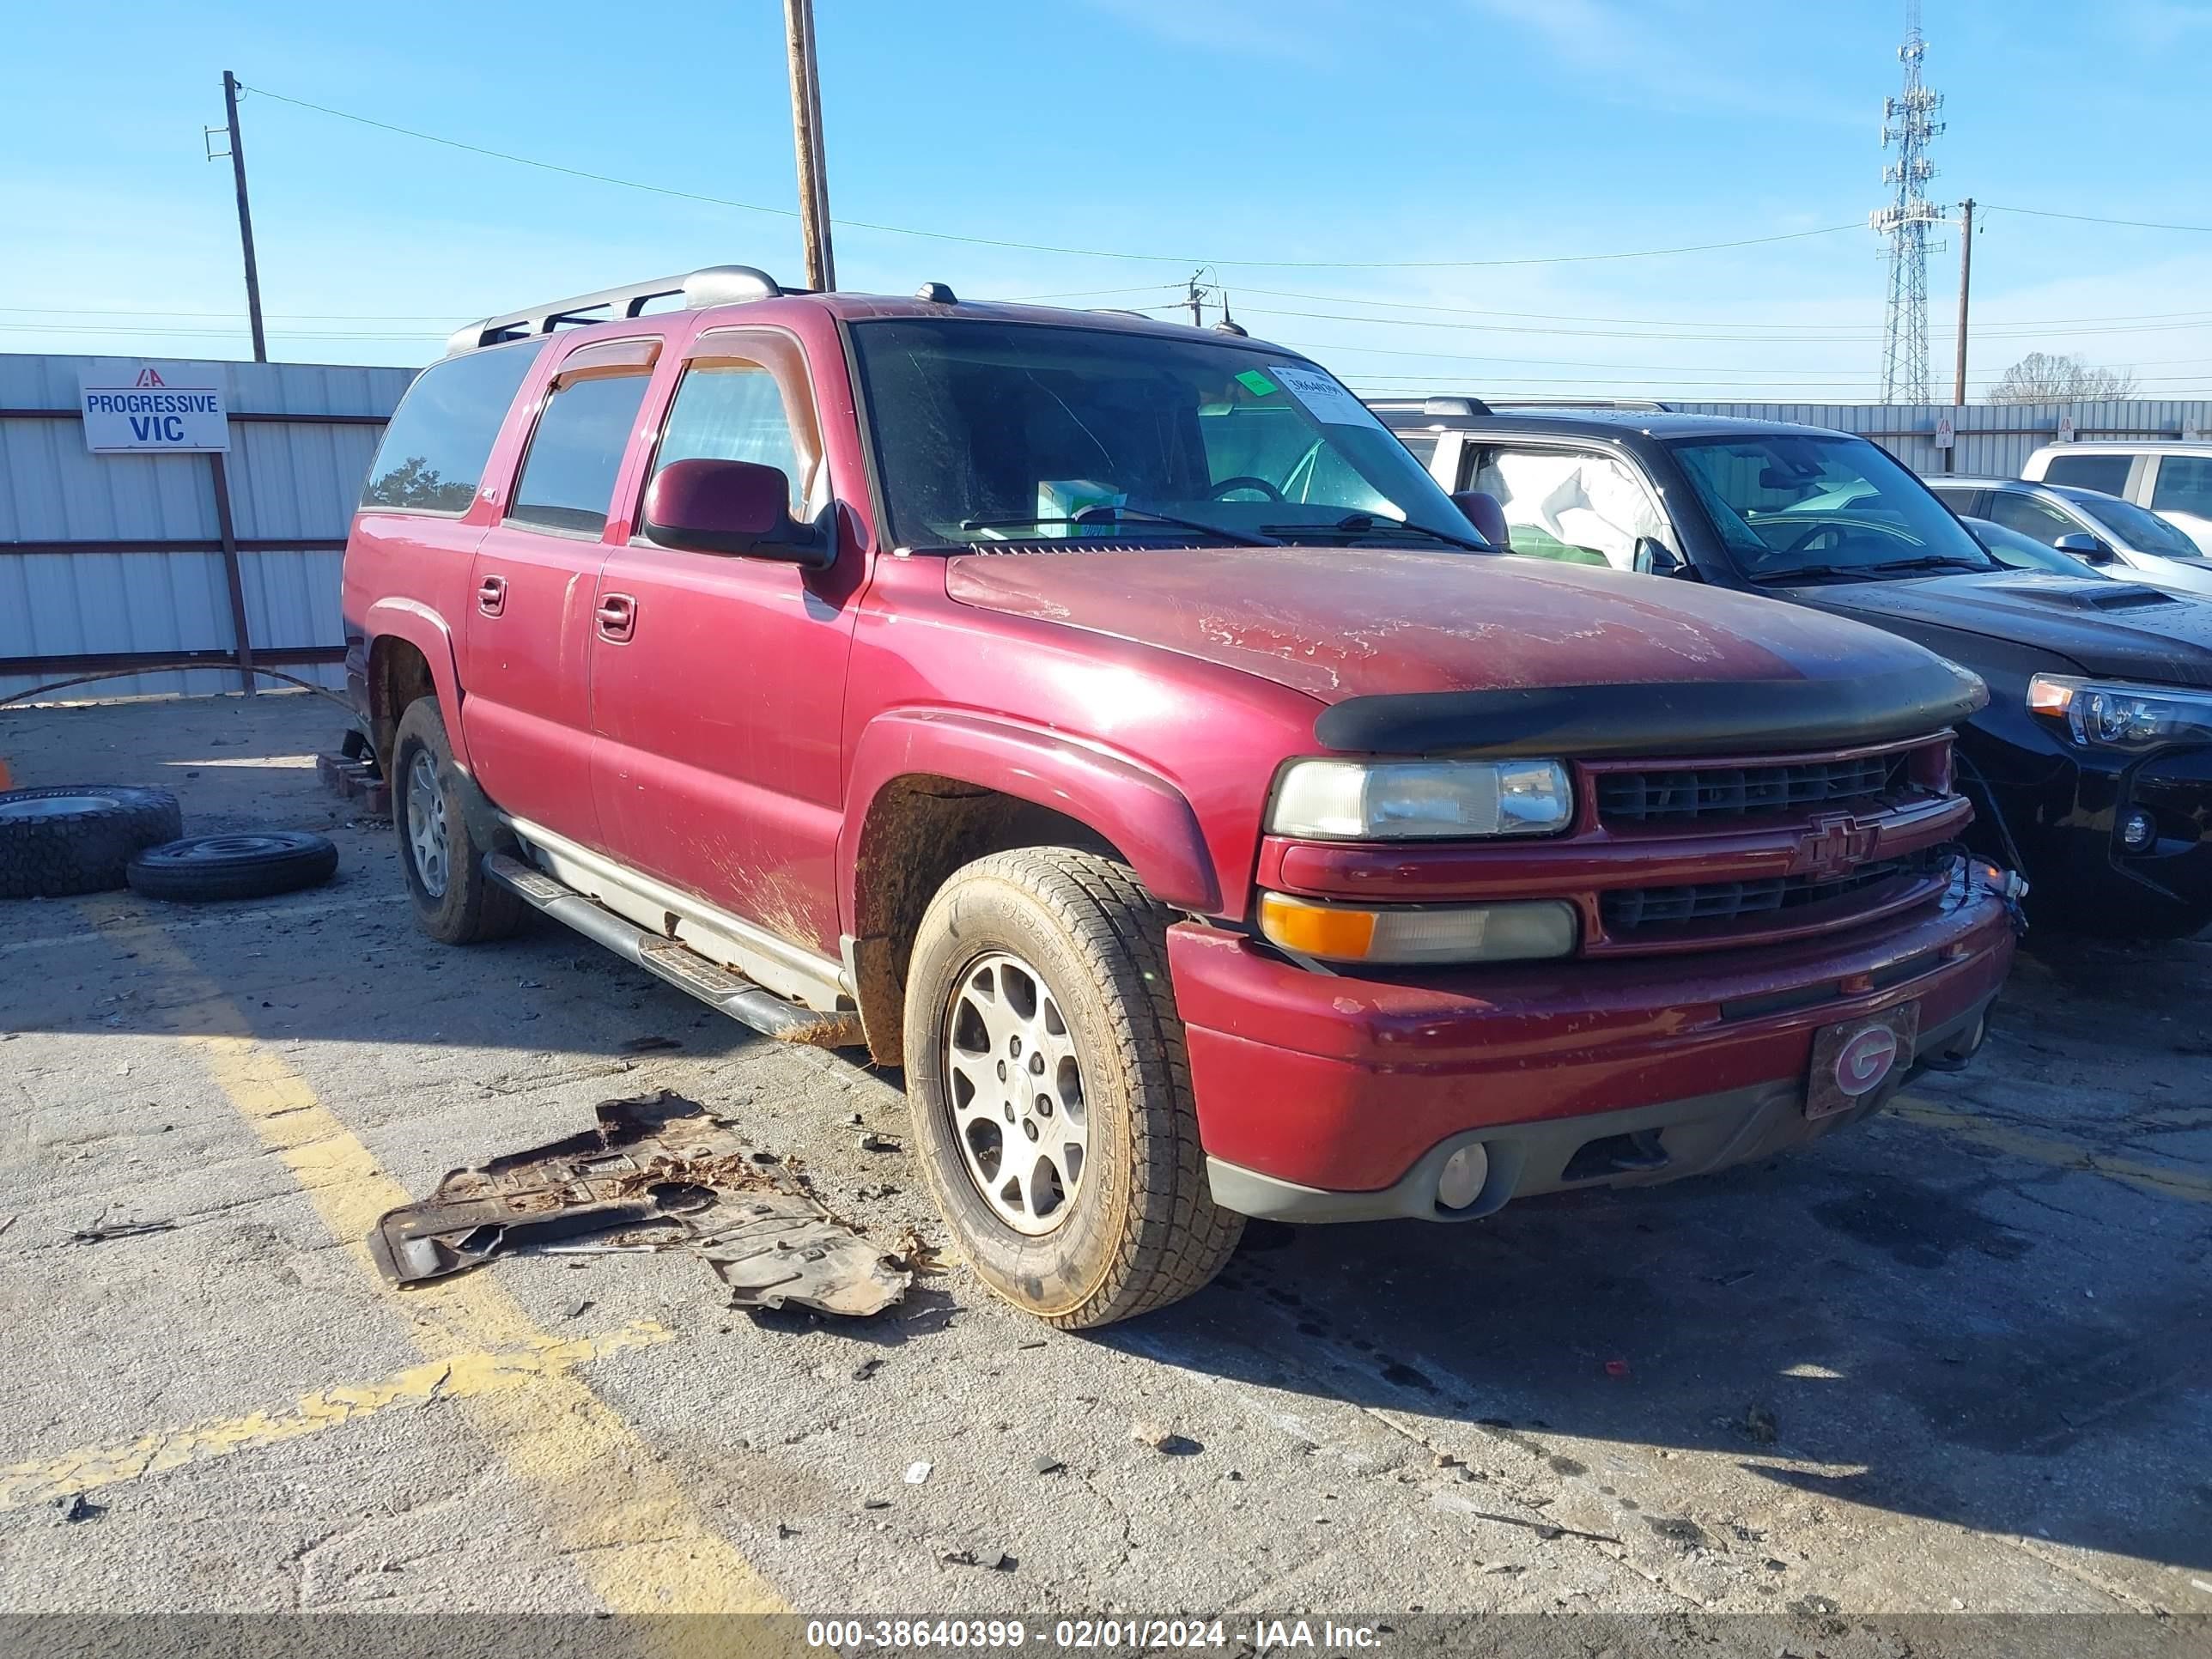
{"x":1958,"y":1359}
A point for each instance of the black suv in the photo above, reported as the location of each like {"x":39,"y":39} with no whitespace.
{"x":2091,"y":767}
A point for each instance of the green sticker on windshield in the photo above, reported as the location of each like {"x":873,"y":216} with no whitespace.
{"x":1255,"y":383}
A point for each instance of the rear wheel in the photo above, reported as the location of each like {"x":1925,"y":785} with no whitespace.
{"x":1050,"y":1093}
{"x":455,"y":900}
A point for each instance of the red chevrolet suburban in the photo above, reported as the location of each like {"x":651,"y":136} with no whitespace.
{"x":1112,"y":725}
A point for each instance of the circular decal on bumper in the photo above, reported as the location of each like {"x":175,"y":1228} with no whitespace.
{"x":1866,"y":1059}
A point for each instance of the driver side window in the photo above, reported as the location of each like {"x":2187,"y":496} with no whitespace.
{"x":1581,"y":506}
{"x":743,"y":397}
{"x":2015,"y":511}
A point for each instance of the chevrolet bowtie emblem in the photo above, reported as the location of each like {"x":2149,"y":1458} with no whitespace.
{"x":1834,"y":845}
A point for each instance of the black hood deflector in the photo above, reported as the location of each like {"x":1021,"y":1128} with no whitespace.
{"x":1668,"y":717}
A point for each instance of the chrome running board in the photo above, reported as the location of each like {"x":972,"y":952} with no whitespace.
{"x":669,"y":959}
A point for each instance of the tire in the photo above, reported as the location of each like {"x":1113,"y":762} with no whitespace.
{"x":79,"y":837}
{"x":1134,"y":1226}
{"x":252,"y":864}
{"x":455,"y":901}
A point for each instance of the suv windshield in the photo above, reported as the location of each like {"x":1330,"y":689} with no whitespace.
{"x":991,"y":433}
{"x":2138,"y":526}
{"x":1807,"y":508}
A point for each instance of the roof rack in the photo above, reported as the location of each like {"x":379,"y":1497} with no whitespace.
{"x":1640,"y":405}
{"x":714,"y":285}
{"x":1435,"y":408}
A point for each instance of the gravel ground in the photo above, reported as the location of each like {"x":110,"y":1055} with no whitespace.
{"x":1956,"y":1359}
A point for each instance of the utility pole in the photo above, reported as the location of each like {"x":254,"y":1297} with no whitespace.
{"x":1195,"y":299}
{"x":1965,"y":283}
{"x":245,"y":217}
{"x":806,"y":139}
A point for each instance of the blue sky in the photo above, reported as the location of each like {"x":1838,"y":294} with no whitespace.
{"x":1226,"y":132}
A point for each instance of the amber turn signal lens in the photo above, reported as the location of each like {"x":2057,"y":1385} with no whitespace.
{"x":1411,"y":935}
{"x":1317,"y":930}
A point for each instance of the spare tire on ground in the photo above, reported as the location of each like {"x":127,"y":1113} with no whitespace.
{"x":248,"y":864}
{"x":78,"y":837}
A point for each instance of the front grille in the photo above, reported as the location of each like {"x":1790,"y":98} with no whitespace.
{"x":1681,"y":795}
{"x":1635,"y":910}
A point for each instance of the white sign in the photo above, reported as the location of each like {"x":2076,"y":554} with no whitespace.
{"x":1946,"y":433}
{"x":153,"y":409}
{"x":2065,"y":428}
{"x":1325,"y":400}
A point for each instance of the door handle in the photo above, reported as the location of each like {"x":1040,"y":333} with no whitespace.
{"x":491,"y":595}
{"x":618,"y":617}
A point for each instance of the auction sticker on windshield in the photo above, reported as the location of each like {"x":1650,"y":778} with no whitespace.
{"x":1324,"y":400}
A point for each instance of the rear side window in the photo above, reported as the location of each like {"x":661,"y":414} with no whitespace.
{"x":434,"y":451}
{"x":2107,"y":472}
{"x":1964,"y":502}
{"x":1422,"y":445}
{"x":2184,"y":485}
{"x":567,"y":479}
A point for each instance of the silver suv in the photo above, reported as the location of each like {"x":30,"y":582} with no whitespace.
{"x":2116,"y":535}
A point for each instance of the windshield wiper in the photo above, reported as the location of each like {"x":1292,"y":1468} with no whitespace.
{"x":1102,"y":515}
{"x":1359,"y":524}
{"x":1934,"y":561}
{"x":1806,"y":573}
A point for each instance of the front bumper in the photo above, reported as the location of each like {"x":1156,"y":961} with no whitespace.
{"x":1324,"y":1097}
{"x":2082,"y":874}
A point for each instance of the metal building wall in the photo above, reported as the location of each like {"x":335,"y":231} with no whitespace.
{"x":1993,"y":439}
{"x":89,"y":564}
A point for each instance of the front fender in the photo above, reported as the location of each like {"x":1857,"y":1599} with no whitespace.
{"x":426,"y":630}
{"x":1139,"y":812}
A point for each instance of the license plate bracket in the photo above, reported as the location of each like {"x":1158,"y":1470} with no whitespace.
{"x":1859,"y":1058}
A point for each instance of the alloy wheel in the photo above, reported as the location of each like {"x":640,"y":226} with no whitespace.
{"x":1016,"y":1093}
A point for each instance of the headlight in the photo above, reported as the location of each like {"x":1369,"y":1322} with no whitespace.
{"x":1408,"y":800}
{"x":2122,"y":716}
{"x":1416,"y":934}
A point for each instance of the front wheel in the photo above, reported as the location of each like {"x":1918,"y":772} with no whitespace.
{"x":455,"y":901}
{"x":1050,"y":1093}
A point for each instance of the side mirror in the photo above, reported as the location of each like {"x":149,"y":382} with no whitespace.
{"x":708,"y":505}
{"x":1484,"y":512}
{"x":2090,"y":549}
{"x":1654,"y":558}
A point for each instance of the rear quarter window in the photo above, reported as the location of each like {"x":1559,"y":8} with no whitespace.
{"x":2107,"y":472}
{"x":434,"y":448}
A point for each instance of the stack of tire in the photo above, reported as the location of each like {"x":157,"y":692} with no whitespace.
{"x":73,"y":838}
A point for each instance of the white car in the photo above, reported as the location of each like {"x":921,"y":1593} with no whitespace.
{"x":2172,"y":479}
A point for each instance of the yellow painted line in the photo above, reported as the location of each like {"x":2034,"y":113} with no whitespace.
{"x":636,"y":1536}
{"x":2057,"y":1154}
{"x":464,"y":1376}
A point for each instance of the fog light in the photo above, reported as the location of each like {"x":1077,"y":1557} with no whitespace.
{"x":1464,"y":1172}
{"x":2138,"y":829}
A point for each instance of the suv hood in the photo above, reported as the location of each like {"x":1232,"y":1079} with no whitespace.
{"x":1339,"y":624}
{"x":2119,"y":628}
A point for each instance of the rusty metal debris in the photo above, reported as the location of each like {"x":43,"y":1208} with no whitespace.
{"x":99,"y":1233}
{"x":659,"y":1173}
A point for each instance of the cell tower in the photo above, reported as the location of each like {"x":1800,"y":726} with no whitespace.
{"x":1908,"y":121}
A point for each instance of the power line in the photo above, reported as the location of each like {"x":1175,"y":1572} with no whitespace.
{"x":1615,"y":334}
{"x":1039,"y":248}
{"x":1825,"y":331}
{"x":2095,"y":219}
